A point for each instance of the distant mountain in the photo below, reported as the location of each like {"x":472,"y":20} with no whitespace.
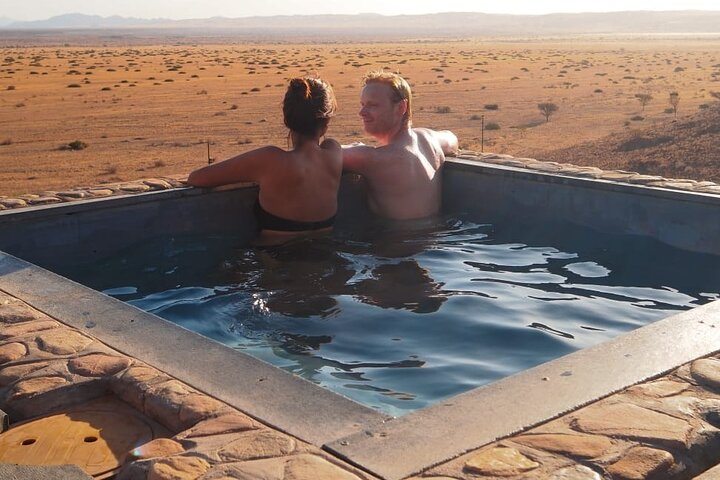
{"x":413,"y":26}
{"x":79,"y":20}
{"x":5,"y":21}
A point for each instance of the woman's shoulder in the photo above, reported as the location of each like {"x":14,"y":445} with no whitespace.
{"x":330,"y":144}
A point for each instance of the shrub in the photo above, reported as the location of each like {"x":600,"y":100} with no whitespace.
{"x":492,"y":126}
{"x":475,"y":117}
{"x":669,"y":110}
{"x":10,"y":87}
{"x":74,"y":145}
{"x":491,"y":106}
{"x":7,"y":141}
{"x":598,"y":90}
{"x":637,"y":118}
{"x":444,"y":109}
{"x":74,"y":85}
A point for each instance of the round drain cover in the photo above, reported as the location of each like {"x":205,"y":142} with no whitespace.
{"x":95,"y":440}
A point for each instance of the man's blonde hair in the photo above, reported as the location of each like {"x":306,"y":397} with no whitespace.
{"x":399,"y":86}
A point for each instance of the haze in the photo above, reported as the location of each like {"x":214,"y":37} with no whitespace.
{"x":185,"y":9}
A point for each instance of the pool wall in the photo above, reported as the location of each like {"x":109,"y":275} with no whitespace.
{"x":55,"y":235}
{"x":83,"y":232}
{"x":684,"y":219}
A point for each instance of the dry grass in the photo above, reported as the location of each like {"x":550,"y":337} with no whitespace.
{"x":151,"y":105}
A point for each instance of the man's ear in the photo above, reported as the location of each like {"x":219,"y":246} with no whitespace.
{"x":402,"y":107}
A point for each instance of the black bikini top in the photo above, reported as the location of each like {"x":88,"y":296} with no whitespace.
{"x":268,"y":221}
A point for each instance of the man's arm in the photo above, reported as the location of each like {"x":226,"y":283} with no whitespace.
{"x":448,"y":141}
{"x":355,"y":157}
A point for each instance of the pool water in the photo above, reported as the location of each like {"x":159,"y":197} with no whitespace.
{"x":398,"y":318}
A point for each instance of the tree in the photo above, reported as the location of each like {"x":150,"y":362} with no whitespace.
{"x":644,"y":99}
{"x":547,"y":109}
{"x":674,"y":100}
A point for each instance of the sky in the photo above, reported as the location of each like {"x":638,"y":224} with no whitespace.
{"x":182,"y":9}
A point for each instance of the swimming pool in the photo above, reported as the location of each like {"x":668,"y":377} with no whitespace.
{"x":57,"y":237}
{"x":399,"y":317}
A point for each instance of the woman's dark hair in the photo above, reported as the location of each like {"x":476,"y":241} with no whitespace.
{"x":308,"y":106}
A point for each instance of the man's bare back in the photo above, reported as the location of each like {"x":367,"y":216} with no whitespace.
{"x":403,"y":173}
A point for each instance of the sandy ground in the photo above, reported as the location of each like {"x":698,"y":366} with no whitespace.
{"x":146,"y":111}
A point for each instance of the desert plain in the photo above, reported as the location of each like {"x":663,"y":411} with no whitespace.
{"x":74,"y":116}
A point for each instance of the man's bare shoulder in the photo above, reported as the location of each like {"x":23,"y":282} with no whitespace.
{"x":445,"y":139}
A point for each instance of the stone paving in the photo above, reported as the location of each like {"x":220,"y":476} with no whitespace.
{"x":667,"y":428}
{"x":46,"y":366}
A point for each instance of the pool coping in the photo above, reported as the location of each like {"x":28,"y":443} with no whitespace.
{"x":215,"y":369}
{"x":396,"y":448}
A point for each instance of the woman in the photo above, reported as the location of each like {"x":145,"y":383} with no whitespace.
{"x":298,"y":188}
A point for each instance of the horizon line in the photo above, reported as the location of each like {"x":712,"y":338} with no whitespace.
{"x":6,"y":18}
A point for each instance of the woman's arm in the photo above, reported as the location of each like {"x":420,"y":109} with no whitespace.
{"x":246,"y":167}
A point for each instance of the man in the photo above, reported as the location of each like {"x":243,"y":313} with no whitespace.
{"x":403,"y":173}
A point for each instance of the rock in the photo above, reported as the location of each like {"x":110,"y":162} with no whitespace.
{"x":500,"y":462}
{"x":631,"y":421}
{"x":64,"y":342}
{"x":14,"y":373}
{"x":639,"y":463}
{"x":13,"y":202}
{"x":706,"y":371}
{"x":76,"y":194}
{"x":132,"y":384}
{"x":27,"y":327}
{"x":98,"y":365}
{"x":617,"y":176}
{"x":311,"y":467}
{"x":157,"y":184}
{"x":543,"y":166}
{"x":16,"y":313}
{"x":659,"y":389}
{"x":257,"y":444}
{"x":266,"y":469}
{"x":134,"y":187}
{"x":12,"y":351}
{"x":577,"y":445}
{"x":35,"y":386}
{"x":178,"y":468}
{"x":101,"y":192}
{"x":576,"y":472}
{"x":644,"y":179}
{"x":229,"y":423}
{"x":160,"y":447}
{"x":196,"y":407}
{"x":44,"y":200}
{"x":163,"y":402}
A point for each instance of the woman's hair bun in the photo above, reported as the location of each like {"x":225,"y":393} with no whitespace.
{"x":308,"y":106}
